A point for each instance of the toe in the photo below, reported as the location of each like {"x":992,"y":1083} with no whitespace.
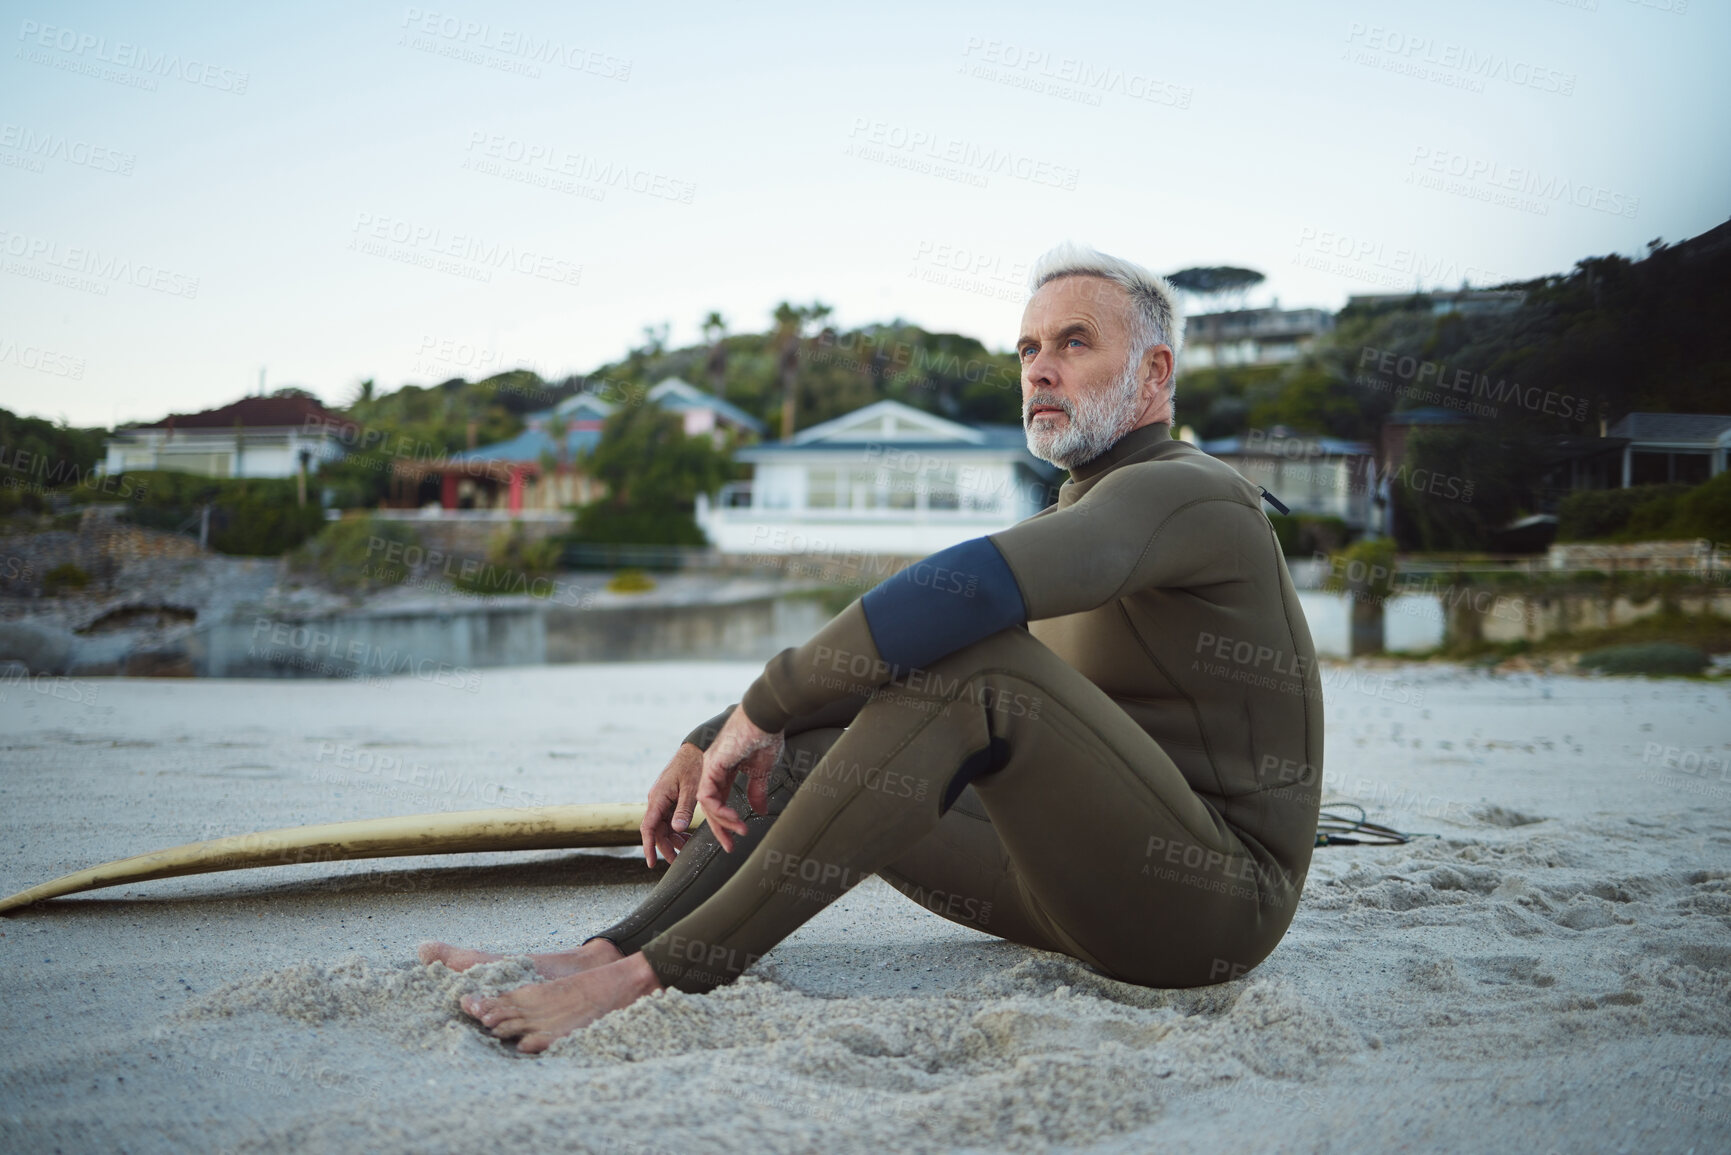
{"x":535,"y":1042}
{"x":429,"y":952}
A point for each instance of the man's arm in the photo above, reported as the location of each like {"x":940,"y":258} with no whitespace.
{"x":839,"y":713}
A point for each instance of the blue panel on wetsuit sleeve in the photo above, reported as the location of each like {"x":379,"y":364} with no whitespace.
{"x":936,"y":606}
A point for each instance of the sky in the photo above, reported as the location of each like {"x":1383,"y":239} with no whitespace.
{"x":193,"y":195}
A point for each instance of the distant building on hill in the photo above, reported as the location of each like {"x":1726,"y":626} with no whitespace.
{"x":1439,"y":302}
{"x":253,"y":437}
{"x":1251,"y":336}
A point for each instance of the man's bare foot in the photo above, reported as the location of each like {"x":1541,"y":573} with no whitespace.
{"x":597,"y":952}
{"x":537,"y":1014}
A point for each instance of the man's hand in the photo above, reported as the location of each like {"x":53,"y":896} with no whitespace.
{"x":667,"y":822}
{"x":739,"y":746}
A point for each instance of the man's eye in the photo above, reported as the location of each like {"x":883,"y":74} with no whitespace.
{"x":1075,"y":341}
{"x":1027,"y":350}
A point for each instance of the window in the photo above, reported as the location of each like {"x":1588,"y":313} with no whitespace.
{"x":820,"y":489}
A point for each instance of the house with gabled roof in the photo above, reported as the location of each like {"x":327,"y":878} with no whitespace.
{"x":541,"y":468}
{"x":252,"y":437}
{"x":887,"y":479}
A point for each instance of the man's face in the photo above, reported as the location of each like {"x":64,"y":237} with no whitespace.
{"x":1080,"y":391}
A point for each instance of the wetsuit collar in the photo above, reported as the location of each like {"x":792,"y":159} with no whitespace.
{"x":1138,"y":439}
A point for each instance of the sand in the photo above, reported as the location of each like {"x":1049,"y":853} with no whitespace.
{"x":1552,"y":973}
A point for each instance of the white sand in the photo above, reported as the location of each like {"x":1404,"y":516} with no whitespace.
{"x":1553,"y":974}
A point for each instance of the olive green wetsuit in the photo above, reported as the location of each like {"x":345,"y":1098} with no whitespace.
{"x":1097,"y":732}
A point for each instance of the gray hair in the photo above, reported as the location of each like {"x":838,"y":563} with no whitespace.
{"x":1155,"y":315}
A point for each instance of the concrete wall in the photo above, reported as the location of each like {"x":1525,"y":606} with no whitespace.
{"x":449,"y":647}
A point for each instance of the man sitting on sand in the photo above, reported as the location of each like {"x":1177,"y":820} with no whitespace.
{"x":1098,"y":732}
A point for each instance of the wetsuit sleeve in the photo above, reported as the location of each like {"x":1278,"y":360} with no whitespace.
{"x":1135,"y":528}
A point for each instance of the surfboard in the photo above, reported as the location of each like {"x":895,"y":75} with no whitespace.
{"x":525,"y":828}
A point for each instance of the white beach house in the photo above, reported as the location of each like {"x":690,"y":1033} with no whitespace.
{"x":887,"y":479}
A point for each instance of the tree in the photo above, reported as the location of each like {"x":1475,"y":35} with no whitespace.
{"x":790,"y":321}
{"x":1226,"y":282}
{"x":653,"y":473}
{"x":715,"y":367}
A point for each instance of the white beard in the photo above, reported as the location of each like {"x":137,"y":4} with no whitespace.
{"x":1093,"y":424}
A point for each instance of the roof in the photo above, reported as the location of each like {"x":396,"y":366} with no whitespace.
{"x":893,"y":425}
{"x":1267,"y":447}
{"x":674,"y":393}
{"x":535,"y":443}
{"x":1702,"y":429}
{"x":253,"y":413}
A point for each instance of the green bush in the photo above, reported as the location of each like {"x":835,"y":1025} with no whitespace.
{"x":1646,"y":658}
{"x":358,"y":553}
{"x":514,"y":565}
{"x":630,"y":581}
{"x":1648,"y":513}
{"x":254,"y":517}
{"x":1364,"y":568}
{"x":63,"y":577}
{"x":1302,"y":535}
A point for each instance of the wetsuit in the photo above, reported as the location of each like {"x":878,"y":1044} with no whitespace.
{"x":1097,"y":732}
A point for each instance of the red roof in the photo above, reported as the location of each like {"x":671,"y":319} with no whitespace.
{"x":254,"y":413}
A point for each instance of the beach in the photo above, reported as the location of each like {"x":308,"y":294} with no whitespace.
{"x":1550,"y":972}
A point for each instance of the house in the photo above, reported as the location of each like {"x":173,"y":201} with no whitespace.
{"x":1252,"y":336}
{"x":704,"y":412}
{"x":254,"y":437}
{"x":541,"y":467}
{"x":1440,"y":302}
{"x":1313,"y":476}
{"x":887,"y":480}
{"x":1662,"y":447}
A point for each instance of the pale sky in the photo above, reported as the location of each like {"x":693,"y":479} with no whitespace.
{"x":410,"y":193}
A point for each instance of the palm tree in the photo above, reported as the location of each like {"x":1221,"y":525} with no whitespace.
{"x":715,"y":332}
{"x":790,"y":322}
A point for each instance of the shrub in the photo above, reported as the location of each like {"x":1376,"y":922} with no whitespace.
{"x":1365,"y":568}
{"x":631,"y":581}
{"x":65,"y":576}
{"x":1648,"y":513}
{"x":356,"y":553}
{"x":514,"y":564}
{"x":1302,"y":535}
{"x":1646,"y":658}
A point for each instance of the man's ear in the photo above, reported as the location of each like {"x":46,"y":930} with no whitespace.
{"x":1157,"y":367}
